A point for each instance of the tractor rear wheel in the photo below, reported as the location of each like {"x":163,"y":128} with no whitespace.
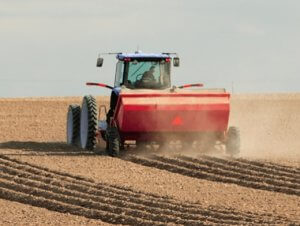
{"x":233,"y":141}
{"x":113,"y":142}
{"x":88,"y":123}
{"x":73,"y":124}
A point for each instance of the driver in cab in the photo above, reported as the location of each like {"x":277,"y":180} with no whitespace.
{"x":148,"y":75}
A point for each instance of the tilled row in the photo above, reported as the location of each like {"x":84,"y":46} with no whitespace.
{"x":23,"y":183}
{"x":269,"y":165}
{"x":95,"y":202}
{"x":22,"y":197}
{"x":246,"y":171}
{"x":214,"y":173}
{"x":257,"y":167}
{"x":89,"y":184}
{"x":85,"y":184}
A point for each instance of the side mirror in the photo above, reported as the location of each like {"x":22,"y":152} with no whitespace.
{"x":176,"y":61}
{"x":99,"y":62}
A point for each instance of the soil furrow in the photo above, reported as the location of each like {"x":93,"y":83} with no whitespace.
{"x":166,"y":208}
{"x":88,"y":182}
{"x":70,"y":178}
{"x":294,"y":178}
{"x":250,"y":174}
{"x":91,"y":204}
{"x":129,"y":195}
{"x":228,"y":173}
{"x":287,"y":169}
{"x":109,"y":201}
{"x":147,"y":199}
{"x":87,"y":186}
{"x":63,"y":174}
{"x":210,"y":176}
{"x":29,"y":199}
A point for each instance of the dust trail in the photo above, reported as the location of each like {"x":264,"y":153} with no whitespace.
{"x":269,"y":125}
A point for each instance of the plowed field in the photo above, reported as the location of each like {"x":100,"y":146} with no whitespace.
{"x":45,"y":181}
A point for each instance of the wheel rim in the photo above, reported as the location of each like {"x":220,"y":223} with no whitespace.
{"x":70,"y":127}
{"x":84,"y":125}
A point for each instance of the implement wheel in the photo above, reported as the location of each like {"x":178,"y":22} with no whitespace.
{"x":73,"y":125}
{"x":88,"y":123}
{"x":233,"y":141}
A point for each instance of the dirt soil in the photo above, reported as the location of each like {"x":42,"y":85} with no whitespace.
{"x":45,"y":181}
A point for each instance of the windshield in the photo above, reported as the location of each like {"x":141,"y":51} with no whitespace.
{"x":147,"y":74}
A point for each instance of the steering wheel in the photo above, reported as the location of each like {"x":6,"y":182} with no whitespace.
{"x":138,"y":80}
{"x":139,"y":77}
{"x":141,"y":82}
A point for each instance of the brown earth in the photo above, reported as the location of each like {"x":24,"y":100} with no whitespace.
{"x":44,"y":181}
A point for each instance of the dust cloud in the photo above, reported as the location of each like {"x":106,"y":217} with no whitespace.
{"x":269,"y":125}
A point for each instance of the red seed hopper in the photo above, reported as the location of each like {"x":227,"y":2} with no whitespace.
{"x":145,"y":115}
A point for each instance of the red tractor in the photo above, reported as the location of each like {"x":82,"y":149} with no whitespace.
{"x":145,"y":108}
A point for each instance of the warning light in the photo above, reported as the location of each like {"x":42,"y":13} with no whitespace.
{"x":177,"y":121}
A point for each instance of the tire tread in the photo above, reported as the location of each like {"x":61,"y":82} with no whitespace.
{"x":75,"y":109}
{"x":92,"y":122}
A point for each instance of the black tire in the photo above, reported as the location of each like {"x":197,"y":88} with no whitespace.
{"x":73,"y":125}
{"x":233,"y":143}
{"x":113,"y":142}
{"x":88,"y":123}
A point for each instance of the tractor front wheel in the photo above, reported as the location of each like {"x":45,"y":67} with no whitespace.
{"x":88,"y":123}
{"x":73,"y":124}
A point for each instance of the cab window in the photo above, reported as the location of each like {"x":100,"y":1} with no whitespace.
{"x":119,"y":73}
{"x":154,"y":74}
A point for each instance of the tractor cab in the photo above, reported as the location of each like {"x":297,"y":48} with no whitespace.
{"x":140,"y":71}
{"x":143,"y":70}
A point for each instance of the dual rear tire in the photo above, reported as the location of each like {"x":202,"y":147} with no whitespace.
{"x":82,"y":127}
{"x":88,"y":123}
{"x":73,"y":124}
{"x":82,"y":124}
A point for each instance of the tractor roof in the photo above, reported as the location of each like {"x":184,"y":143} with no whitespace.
{"x":122,"y":56}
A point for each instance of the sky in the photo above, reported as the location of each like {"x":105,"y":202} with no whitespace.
{"x":50,"y":47}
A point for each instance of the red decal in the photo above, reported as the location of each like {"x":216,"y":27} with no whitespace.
{"x":177,"y":121}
